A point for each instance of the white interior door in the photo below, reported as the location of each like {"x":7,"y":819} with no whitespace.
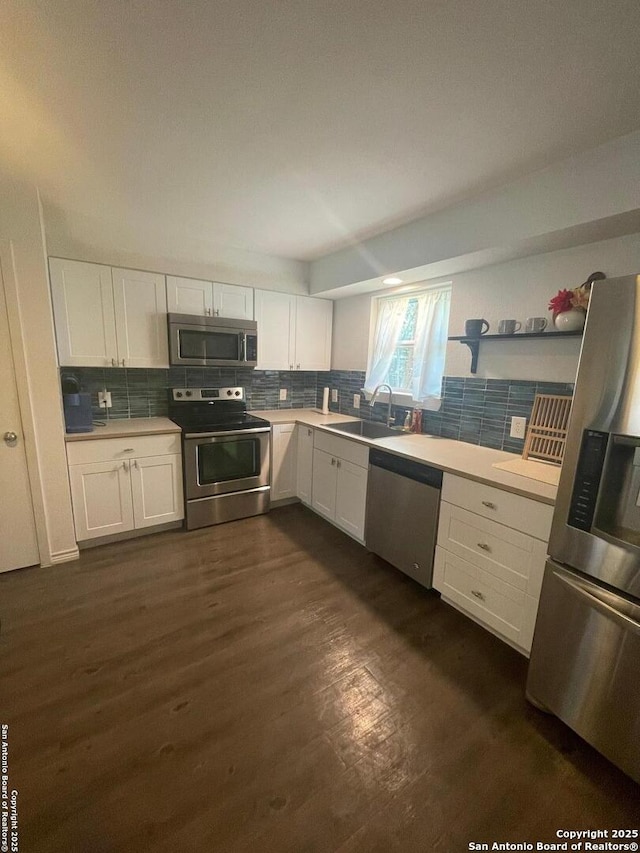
{"x":18,"y":543}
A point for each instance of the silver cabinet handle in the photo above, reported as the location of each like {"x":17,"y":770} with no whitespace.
{"x":123,"y":362}
{"x":290,"y":367}
{"x":309,"y":432}
{"x":484,"y":546}
{"x":135,"y":463}
{"x":207,"y":311}
{"x":125,"y":465}
{"x":339,"y":464}
{"x":297,"y":367}
{"x":113,"y":362}
{"x":489,"y":504}
{"x":477,"y":594}
{"x":333,"y":461}
{"x":128,"y":450}
{"x":11,"y":438}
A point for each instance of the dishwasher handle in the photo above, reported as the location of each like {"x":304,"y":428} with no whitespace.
{"x":406,"y":468}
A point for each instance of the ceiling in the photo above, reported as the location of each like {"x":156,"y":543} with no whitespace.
{"x":296,"y":127}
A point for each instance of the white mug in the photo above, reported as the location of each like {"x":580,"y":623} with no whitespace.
{"x":535,"y":324}
{"x":509,"y":327}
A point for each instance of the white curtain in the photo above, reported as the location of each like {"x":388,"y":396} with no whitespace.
{"x":430,"y":342}
{"x":387,"y":334}
{"x":432,"y":326}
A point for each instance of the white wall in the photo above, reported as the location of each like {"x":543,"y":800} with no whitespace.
{"x":33,"y":343}
{"x":568,"y":198}
{"x":513,"y":290}
{"x":169,"y":251}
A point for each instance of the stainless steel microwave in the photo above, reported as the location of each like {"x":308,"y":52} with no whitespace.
{"x":212,"y":341}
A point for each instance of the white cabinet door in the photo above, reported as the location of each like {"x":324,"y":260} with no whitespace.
{"x":325,"y":473}
{"x":351,"y":498}
{"x":283,"y":462}
{"x":156,"y":486}
{"x":82,"y":298}
{"x":314,"y":319}
{"x":101,"y":495}
{"x":140,"y":300}
{"x":304,"y":467}
{"x":232,"y":300}
{"x":275,"y":313}
{"x":189,"y":296}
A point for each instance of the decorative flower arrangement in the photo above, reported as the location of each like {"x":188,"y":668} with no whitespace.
{"x":567,"y":300}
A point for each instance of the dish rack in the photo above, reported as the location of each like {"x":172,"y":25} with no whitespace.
{"x":547,"y":430}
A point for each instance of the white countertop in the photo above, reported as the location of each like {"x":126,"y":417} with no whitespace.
{"x":126,"y":426}
{"x":455,"y":457}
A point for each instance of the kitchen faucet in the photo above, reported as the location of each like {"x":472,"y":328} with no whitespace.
{"x":375,"y":394}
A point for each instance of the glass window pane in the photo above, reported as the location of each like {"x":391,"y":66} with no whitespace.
{"x":228,"y":460}
{"x":408,"y":332}
{"x":401,"y":369}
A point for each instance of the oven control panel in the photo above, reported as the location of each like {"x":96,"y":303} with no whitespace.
{"x":189,"y":395}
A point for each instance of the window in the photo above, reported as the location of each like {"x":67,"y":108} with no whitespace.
{"x":409,"y":343}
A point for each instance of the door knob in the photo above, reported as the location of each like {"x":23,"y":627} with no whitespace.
{"x":11,"y":438}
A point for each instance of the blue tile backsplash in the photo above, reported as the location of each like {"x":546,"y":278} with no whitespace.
{"x":477,"y":411}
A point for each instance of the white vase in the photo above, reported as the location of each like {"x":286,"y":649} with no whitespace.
{"x":570,"y":321}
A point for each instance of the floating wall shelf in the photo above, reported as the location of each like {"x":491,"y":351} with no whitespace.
{"x":474,"y":343}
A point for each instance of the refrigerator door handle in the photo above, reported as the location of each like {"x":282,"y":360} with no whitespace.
{"x":598,"y":599}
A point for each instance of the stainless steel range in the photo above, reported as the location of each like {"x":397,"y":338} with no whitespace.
{"x":225,"y":455}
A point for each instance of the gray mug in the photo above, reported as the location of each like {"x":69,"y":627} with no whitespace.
{"x":475,"y":328}
{"x":535,"y":324}
{"x":509,"y":327}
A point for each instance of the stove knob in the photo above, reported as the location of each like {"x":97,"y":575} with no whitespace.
{"x":188,"y":393}
{"x":178,"y":393}
{"x":237,"y":393}
{"x":229,"y":393}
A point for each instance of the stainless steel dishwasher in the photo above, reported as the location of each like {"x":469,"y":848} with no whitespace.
{"x":403,"y":502}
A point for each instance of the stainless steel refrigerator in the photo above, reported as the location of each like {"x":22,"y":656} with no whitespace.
{"x":585,"y":659}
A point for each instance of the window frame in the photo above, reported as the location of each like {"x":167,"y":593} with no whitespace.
{"x":399,"y":397}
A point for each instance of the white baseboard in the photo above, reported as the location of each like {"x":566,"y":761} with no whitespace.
{"x":65,"y":556}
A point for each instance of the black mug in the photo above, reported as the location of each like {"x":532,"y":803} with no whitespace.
{"x":473,"y":328}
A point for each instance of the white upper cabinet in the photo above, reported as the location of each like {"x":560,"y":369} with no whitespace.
{"x":140,"y":302}
{"x":314,"y":320}
{"x":189,"y":296}
{"x":82,"y":296}
{"x":275,"y":313}
{"x":108,"y":317}
{"x":294,"y":332}
{"x":232,"y":300}
{"x":209,"y":298}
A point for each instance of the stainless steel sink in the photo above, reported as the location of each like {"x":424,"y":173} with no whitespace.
{"x":367,"y":429}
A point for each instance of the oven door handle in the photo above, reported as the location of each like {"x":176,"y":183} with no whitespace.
{"x":229,"y":432}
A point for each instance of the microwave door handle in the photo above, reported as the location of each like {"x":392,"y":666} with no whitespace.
{"x":243,"y":346}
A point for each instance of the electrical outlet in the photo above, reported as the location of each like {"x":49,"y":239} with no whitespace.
{"x":518,"y":427}
{"x":356,"y":401}
{"x":334,"y":395}
{"x":283,"y":394}
{"x":104,"y":399}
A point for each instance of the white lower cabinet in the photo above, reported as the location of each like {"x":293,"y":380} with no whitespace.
{"x":490,"y":556}
{"x":304,"y":463}
{"x":283,"y":462}
{"x":127,"y":487}
{"x":339,"y":482}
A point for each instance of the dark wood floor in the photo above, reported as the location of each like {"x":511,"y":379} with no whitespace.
{"x":267,"y":685}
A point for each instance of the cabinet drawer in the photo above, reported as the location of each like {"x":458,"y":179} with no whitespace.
{"x":109,"y":449}
{"x":512,"y":556}
{"x":499,"y":606}
{"x":342,"y":448}
{"x":515,"y":511}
